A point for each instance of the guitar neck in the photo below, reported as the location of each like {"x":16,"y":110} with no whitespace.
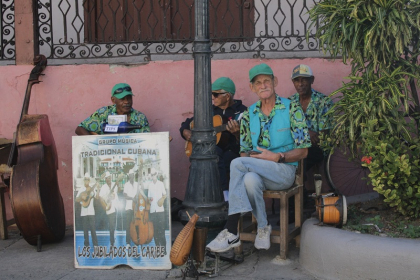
{"x":220,"y":128}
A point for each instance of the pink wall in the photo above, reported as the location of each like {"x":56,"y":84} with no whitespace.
{"x":163,"y":91}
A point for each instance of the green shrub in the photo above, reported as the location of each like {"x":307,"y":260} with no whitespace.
{"x":381,"y":41}
{"x":394,"y":169}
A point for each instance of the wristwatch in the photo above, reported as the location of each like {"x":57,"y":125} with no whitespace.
{"x":282,"y":159}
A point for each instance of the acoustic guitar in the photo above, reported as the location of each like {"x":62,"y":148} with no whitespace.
{"x":88,"y":195}
{"x":219,"y":126}
{"x":35,"y":196}
{"x":107,"y":203}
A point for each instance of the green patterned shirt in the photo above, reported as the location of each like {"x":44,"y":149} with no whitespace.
{"x":298,"y":126}
{"x":315,"y":113}
{"x":93,"y":123}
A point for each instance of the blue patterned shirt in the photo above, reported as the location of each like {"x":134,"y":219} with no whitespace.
{"x":315,"y":113}
{"x":93,"y":122}
{"x":298,"y":126}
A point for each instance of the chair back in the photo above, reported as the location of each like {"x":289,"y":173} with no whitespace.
{"x":299,"y":174}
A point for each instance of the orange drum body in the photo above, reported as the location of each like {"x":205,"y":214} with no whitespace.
{"x":332,"y":209}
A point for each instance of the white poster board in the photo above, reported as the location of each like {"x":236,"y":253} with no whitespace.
{"x":122,"y":200}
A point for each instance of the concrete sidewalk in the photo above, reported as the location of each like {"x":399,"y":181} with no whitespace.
{"x":19,"y":260}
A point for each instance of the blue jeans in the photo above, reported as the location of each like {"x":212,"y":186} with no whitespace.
{"x":249,"y":177}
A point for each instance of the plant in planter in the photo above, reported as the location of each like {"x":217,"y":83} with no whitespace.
{"x":380,"y":39}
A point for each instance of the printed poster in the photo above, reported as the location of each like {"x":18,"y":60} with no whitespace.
{"x":122,"y":201}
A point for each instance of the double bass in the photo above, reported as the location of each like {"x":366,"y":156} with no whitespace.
{"x":141,"y":229}
{"x":35,"y":196}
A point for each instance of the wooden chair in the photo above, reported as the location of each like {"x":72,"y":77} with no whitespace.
{"x":285,"y":234}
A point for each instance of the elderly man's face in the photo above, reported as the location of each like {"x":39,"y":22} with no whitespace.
{"x":303,"y":85}
{"x":87,"y":181}
{"x":124,"y":105}
{"x":264,"y":86}
{"x":220,"y":98}
{"x":108,"y":180}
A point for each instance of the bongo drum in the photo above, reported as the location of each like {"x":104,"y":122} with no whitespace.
{"x":332,"y":209}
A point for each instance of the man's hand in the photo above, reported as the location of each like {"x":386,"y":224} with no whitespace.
{"x":82,"y":131}
{"x":233,"y":127}
{"x":314,"y":137}
{"x":266,"y":155}
{"x":187,"y":134}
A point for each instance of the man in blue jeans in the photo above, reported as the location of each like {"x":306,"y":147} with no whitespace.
{"x":273,"y":138}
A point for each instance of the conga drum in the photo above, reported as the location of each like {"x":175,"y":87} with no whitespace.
{"x":332,"y":209}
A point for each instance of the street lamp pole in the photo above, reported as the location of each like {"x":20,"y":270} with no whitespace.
{"x":203,"y":195}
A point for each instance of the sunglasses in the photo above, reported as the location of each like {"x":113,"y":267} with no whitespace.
{"x":119,"y":90}
{"x":216,"y":94}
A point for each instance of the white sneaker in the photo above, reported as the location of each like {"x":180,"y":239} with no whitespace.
{"x":262,"y":240}
{"x":223,"y":242}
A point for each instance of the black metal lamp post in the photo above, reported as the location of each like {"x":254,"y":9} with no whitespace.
{"x":204,"y":195}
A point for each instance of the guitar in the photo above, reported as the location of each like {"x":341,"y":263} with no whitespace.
{"x":219,"y":127}
{"x":107,"y":203}
{"x":88,"y":195}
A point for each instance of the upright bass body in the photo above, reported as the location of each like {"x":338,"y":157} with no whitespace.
{"x":36,"y":201}
{"x":141,"y":229}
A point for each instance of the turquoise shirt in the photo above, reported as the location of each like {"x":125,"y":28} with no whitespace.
{"x":298,"y":128}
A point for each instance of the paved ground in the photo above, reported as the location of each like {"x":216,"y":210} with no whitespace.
{"x":19,"y":260}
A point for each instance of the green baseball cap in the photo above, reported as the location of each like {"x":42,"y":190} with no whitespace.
{"x":259,"y":70}
{"x":121,"y":90}
{"x":224,"y":83}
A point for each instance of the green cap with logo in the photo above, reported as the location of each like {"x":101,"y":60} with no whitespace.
{"x":260,"y":69}
{"x":121,"y":90}
{"x":224,"y":83}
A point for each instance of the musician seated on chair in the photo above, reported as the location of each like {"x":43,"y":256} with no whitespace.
{"x":85,"y":197}
{"x":315,"y":105}
{"x":223,"y":91}
{"x":122,"y":100}
{"x":274,"y":137}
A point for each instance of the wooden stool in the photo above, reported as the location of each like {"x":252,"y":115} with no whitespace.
{"x":5,"y":172}
{"x":284,"y":235}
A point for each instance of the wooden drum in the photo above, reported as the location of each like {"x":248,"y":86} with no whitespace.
{"x":332,"y":209}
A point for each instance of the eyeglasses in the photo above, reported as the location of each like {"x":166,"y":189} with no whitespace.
{"x":119,"y":90}
{"x":216,"y":94}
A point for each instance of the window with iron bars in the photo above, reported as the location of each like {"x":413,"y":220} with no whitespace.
{"x":154,"y":21}
{"x":134,"y":31}
{"x":7,"y":34}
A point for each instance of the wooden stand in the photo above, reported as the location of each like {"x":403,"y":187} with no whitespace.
{"x":4,"y":223}
{"x":284,"y":235}
{"x":5,"y":172}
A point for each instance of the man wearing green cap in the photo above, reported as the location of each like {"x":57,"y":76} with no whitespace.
{"x":122,"y":99}
{"x":274,"y":137}
{"x":223,"y":91}
{"x":315,"y":105}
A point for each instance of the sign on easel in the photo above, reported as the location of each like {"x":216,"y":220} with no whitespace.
{"x":121,"y":201}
